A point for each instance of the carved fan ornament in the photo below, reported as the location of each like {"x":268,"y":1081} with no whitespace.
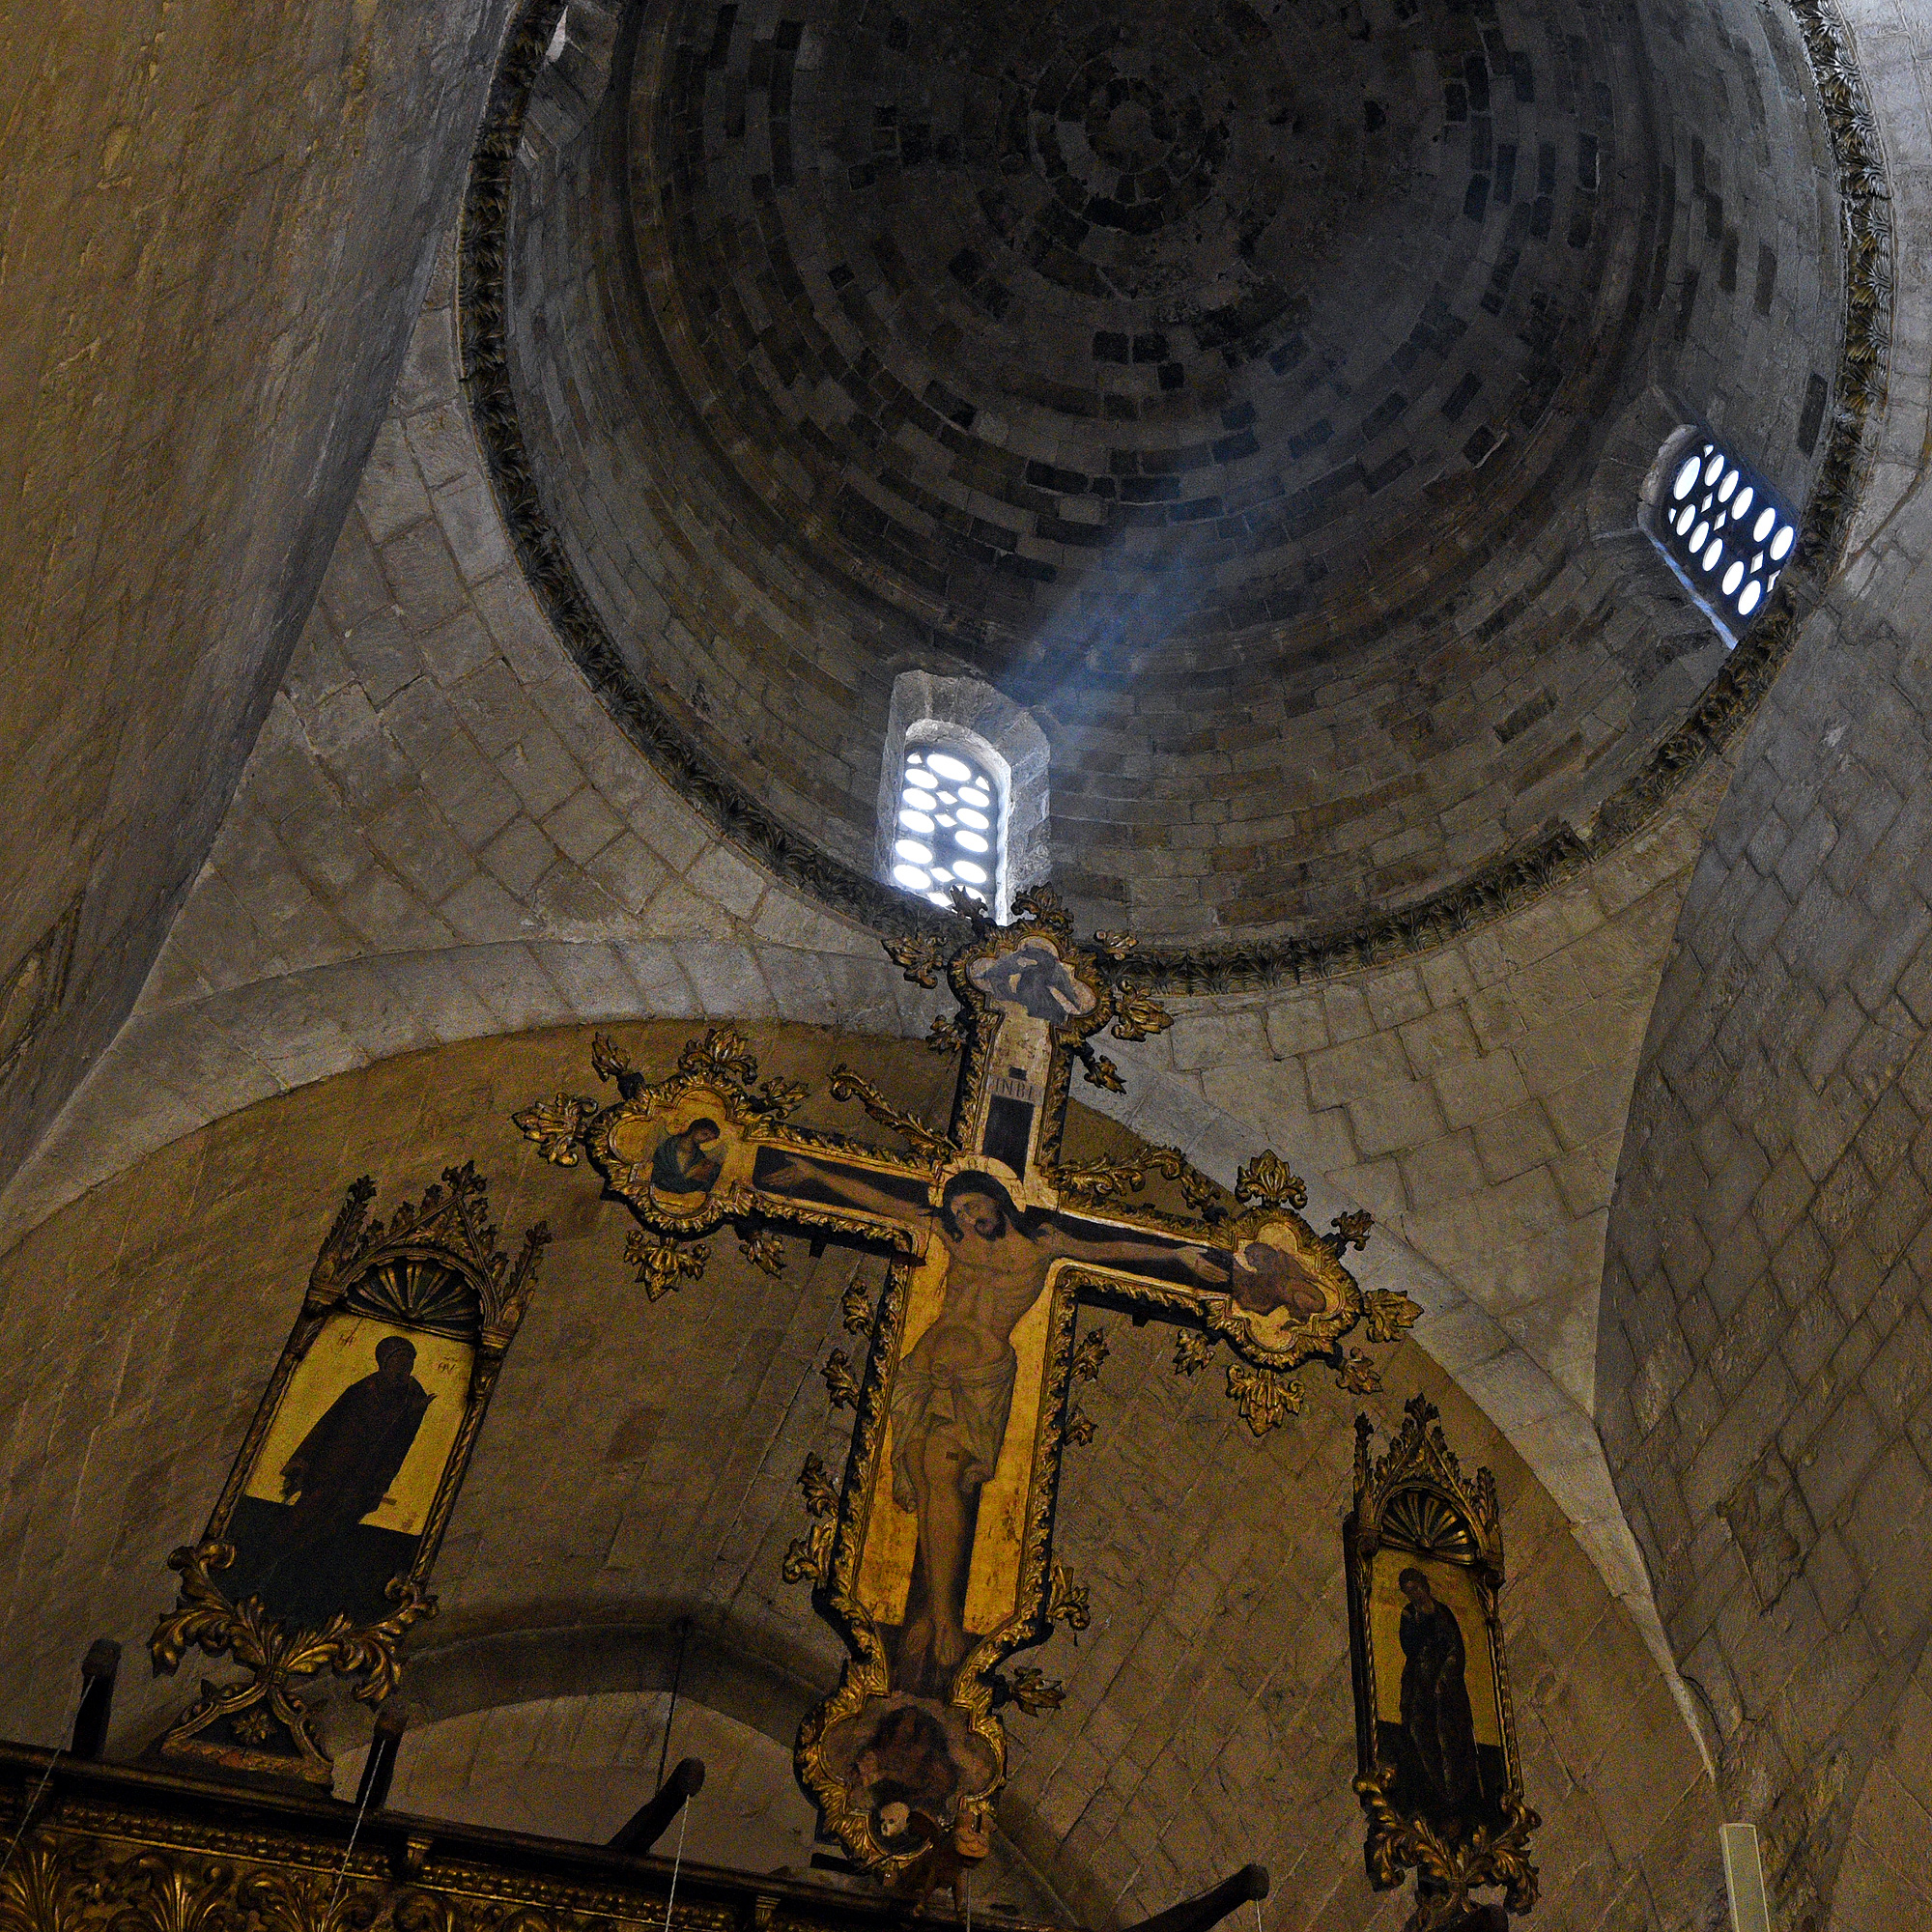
{"x":396,"y":1319}
{"x":991,"y":1242}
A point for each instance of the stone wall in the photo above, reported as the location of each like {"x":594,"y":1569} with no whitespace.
{"x":640,"y":1463}
{"x":1765,"y":1341}
{"x":443,"y":834}
{"x":220,"y":219}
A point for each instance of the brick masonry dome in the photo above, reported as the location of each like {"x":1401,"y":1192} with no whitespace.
{"x":1239,"y":386}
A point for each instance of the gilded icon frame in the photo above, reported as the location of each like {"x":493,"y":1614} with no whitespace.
{"x":434,"y":1276}
{"x":1439,"y":1773}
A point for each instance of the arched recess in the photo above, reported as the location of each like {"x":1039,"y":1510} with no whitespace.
{"x":554,"y":1719}
{"x":642,"y":1458}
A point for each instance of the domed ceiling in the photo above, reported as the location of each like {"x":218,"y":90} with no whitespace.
{"x":1084,"y":333}
{"x":1259,"y":393}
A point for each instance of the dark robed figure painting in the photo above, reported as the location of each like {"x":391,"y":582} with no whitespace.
{"x":1439,"y":1779}
{"x":346,"y":1462}
{"x":314,"y":1554}
{"x":318,"y":1551}
{"x":1438,"y":1726}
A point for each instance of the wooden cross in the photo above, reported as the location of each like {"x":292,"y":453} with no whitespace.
{"x":934,"y":1559}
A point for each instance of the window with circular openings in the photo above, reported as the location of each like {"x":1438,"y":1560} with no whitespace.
{"x":949,"y":828}
{"x":1725,"y":532}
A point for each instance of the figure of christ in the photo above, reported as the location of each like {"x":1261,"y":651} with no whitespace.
{"x":954,"y":1389}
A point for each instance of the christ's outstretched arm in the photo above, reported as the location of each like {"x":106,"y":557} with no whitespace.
{"x":851,"y":1189}
{"x":1197,"y":1261}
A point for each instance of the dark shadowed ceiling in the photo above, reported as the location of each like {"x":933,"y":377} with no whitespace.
{"x":1259,"y":393}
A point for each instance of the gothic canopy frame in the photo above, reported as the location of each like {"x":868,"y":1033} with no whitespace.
{"x":1439,"y":1774}
{"x":287,"y":1594}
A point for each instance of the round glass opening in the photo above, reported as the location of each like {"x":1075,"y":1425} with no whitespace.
{"x":1762,"y":527}
{"x":948,"y":832}
{"x":1714,"y":465}
{"x":1699,"y":535}
{"x":1753,"y":596}
{"x":1686,"y":517}
{"x":1729,"y":484}
{"x":1781,"y":544}
{"x":1741,"y":509}
{"x":1712,"y":554}
{"x":1733,"y":577}
{"x":1687,"y":477}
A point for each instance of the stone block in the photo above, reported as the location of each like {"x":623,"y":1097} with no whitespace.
{"x":540,"y":770}
{"x":583,"y":826}
{"x":1480,"y":1089}
{"x":418,"y":845}
{"x":1439,"y":1039}
{"x":518,"y":856}
{"x":1341,"y":1074}
{"x":1296,"y":1023}
{"x":1509,"y":1142}
{"x":1402,"y":1114}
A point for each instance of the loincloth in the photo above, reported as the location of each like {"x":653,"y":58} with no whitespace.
{"x":971,"y":1403}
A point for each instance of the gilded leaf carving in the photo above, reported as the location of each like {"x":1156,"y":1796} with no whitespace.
{"x":841,"y":1384}
{"x":664,"y":1266}
{"x":1264,"y":1399}
{"x":1269,"y":1180}
{"x":557,"y":1127}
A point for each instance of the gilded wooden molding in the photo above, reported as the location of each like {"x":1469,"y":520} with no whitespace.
{"x":109,"y":1849}
{"x":434,"y":1271}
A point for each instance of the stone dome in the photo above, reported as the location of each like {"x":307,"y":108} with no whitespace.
{"x":1260,"y":394}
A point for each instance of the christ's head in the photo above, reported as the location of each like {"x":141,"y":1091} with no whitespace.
{"x":977,"y":1203}
{"x":1414,"y":1585}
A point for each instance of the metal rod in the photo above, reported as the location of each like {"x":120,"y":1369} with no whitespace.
{"x":683,"y":1629}
{"x":648,"y":1826}
{"x":379,"y":1768}
{"x":99,"y":1669}
{"x":1197,"y":1915}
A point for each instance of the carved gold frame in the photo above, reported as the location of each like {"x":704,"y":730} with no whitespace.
{"x":718,"y":1076}
{"x":1414,"y":1501}
{"x":479,"y":1298}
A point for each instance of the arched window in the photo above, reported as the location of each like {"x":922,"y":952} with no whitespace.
{"x":962,"y":791}
{"x":951,"y":823}
{"x":1722,"y":527}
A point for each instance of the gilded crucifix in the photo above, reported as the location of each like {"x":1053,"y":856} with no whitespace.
{"x":934,"y":1559}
